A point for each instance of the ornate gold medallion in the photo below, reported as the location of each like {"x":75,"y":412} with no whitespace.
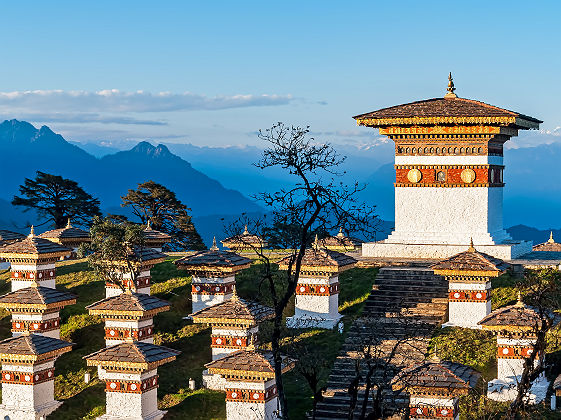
{"x":414,"y":175}
{"x":468,"y":176}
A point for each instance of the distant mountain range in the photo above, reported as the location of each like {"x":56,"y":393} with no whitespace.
{"x":25,"y":149}
{"x":218,"y":182}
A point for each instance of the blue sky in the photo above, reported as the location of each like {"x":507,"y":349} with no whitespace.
{"x":212,"y":73}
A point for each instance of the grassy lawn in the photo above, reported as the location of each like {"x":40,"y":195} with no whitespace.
{"x":87,"y":401}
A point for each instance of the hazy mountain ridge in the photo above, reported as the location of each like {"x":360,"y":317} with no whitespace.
{"x":25,"y":149}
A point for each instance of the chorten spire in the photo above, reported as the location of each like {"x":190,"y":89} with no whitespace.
{"x":340,"y":234}
{"x":31,"y":232}
{"x":149,"y":224}
{"x":451,"y":88}
{"x":471,"y":247}
{"x":316,"y":242}
{"x":68,"y":225}
{"x":519,"y":303}
{"x":550,"y":240}
{"x":245,"y":231}
{"x":214,"y":247}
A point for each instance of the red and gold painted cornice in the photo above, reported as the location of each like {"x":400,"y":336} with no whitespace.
{"x":513,"y":352}
{"x":34,"y":275}
{"x":448,"y":175}
{"x":229,"y":342}
{"x":469,"y":295}
{"x":27,"y":378}
{"x":212,"y":288}
{"x":432,"y":412}
{"x":250,"y":396}
{"x":317,"y":289}
{"x":131,"y":387}
{"x":116,"y":333}
{"x":36,"y":326}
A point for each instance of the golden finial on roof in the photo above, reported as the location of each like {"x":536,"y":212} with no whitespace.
{"x":235,"y":296}
{"x":434,"y":357}
{"x":214,"y":247}
{"x":519,"y":303}
{"x":31,"y":232}
{"x":316,"y":242}
{"x":149,"y":224}
{"x":550,"y":240}
{"x":68,"y":225}
{"x":340,"y":234}
{"x":471,"y":247}
{"x":245,"y":231}
{"x":451,"y":88}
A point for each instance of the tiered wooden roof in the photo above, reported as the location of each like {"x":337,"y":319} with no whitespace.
{"x":317,"y":259}
{"x":154,"y":237}
{"x":213,"y":260}
{"x":246,"y":365}
{"x":38,"y":298}
{"x":7,"y":236}
{"x":471,"y":263}
{"x":517,"y":317}
{"x":234,"y":311}
{"x":339,"y":242}
{"x":437,"y":377}
{"x":30,"y":348}
{"x":33,"y":247}
{"x":549,"y":246}
{"x":66,"y":235}
{"x":129,"y":304}
{"x":447,"y":110}
{"x":245,"y":240}
{"x":132,"y":355}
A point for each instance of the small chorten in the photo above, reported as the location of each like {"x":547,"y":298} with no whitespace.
{"x":317,"y":291}
{"x":434,"y":388}
{"x":128,"y":315}
{"x":36,"y":309}
{"x":214,"y":275}
{"x":340,"y":242}
{"x":28,"y":375}
{"x":32,"y":260}
{"x":244,"y":242}
{"x":549,"y":246}
{"x":69,"y":236}
{"x":130,"y":372}
{"x":515,"y":328}
{"x":469,"y":276}
{"x":154,"y":238}
{"x":251,"y":390}
{"x":235,"y":325}
{"x":146,"y":258}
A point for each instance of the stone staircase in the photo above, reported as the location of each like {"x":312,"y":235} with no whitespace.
{"x":404,"y":307}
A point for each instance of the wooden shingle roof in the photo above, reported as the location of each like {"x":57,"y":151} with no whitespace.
{"x":213,"y":258}
{"x":69,"y":233}
{"x":33,"y":246}
{"x":136,"y":304}
{"x":513,"y":317}
{"x":244,"y":240}
{"x":39,"y":297}
{"x":549,"y":246}
{"x":446,"y":110}
{"x":471,"y":263}
{"x":32,"y":347}
{"x":321,"y":259}
{"x":132,"y":355}
{"x":8,"y":236}
{"x":152,"y":236}
{"x":339,"y":242}
{"x":236,"y":311}
{"x":440,"y":376}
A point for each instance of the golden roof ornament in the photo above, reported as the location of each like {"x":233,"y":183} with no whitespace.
{"x":471,"y":247}
{"x":340,"y":234}
{"x":451,"y":88}
{"x":149,"y":224}
{"x":550,"y":240}
{"x":316,"y":242}
{"x":68,"y":225}
{"x":214,"y":247}
{"x":245,"y":231}
{"x":31,"y":232}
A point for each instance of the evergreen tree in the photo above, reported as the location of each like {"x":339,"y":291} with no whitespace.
{"x":57,"y":199}
{"x":155,"y":203}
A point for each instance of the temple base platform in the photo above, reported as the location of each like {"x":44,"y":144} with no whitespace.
{"x":384,"y":249}
{"x":215,"y":382}
{"x":500,"y":390}
{"x":21,"y":413}
{"x":316,"y":322}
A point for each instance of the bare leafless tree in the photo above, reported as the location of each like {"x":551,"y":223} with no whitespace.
{"x":315,"y":202}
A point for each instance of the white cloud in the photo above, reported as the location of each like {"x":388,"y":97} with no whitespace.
{"x":113,"y":100}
